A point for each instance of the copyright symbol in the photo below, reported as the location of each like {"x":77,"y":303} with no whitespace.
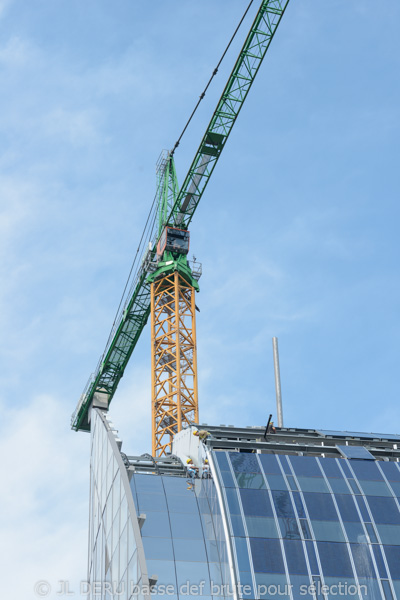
{"x":42,"y":588}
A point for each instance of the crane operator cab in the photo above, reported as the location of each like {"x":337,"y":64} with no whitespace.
{"x":173,"y":240}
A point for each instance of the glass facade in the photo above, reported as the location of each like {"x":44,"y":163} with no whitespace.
{"x":267,"y":525}
{"x":116,"y":565}
{"x":182,"y":536}
{"x":312,"y":527}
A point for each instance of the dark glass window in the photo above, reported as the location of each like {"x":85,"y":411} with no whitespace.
{"x":254,"y":481}
{"x":320,"y":506}
{"x":384,"y":510}
{"x":242,"y":554}
{"x":156,"y":525}
{"x":344,"y":464}
{"x":371,"y":533}
{"x":148,"y":483}
{"x":228,"y":479}
{"x":292,"y":482}
{"x":305,"y":529}
{"x":366,"y":469}
{"x":379,"y":561}
{"x":393,"y":560}
{"x":222,"y":460}
{"x":330,"y":467}
{"x":390,"y":469}
{"x":175,"y":486}
{"x":233,"y":502}
{"x":289,"y":528}
{"x":354,"y":486}
{"x":285,"y":465}
{"x":298,"y":502}
{"x":295,"y":558}
{"x":269,"y":464}
{"x":256,"y":503}
{"x":334,"y":559}
{"x":267,"y":555}
{"x":386,"y":590}
{"x":363,"y":509}
{"x":283,"y":503}
{"x":347,"y":508}
{"x":362,"y":560}
{"x":244,"y":462}
{"x":312,"y":559}
{"x":305,"y":466}
{"x":237,"y":525}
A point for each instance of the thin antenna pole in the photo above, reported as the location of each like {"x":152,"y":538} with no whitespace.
{"x":278,"y":390}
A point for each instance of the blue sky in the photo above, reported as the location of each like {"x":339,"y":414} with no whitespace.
{"x":297,"y":232}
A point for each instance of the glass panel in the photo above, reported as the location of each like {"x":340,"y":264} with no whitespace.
{"x":379,"y":561}
{"x":149,"y":483}
{"x":276,"y":482}
{"x":339,"y":486}
{"x":355,"y":532}
{"x":390,"y":469}
{"x":261,"y":527}
{"x":347,"y":508}
{"x":175,"y":486}
{"x":156,"y":525}
{"x":384,"y":510}
{"x":250,"y":480}
{"x":355,"y":452}
{"x":269,"y":464}
{"x":371,"y":533}
{"x":285,"y":464}
{"x":334,"y":559}
{"x":151,"y":502}
{"x":283,"y":503}
{"x":387,"y":590}
{"x":295,"y":557}
{"x":158,"y":548}
{"x":305,"y":466}
{"x":244,"y":462}
{"x":313,"y":484}
{"x":365,"y":469}
{"x":375,"y":488}
{"x":194,"y":573}
{"x":361,"y":505}
{"x":330,"y":467}
{"x":233,"y":502}
{"x":312,"y":559}
{"x":222,"y":460}
{"x":267,"y":556}
{"x":305,"y":529}
{"x":272,"y":587}
{"x":185,"y":526}
{"x":289,"y":528}
{"x":256,"y":503}
{"x":320,"y":506}
{"x":165,"y":571}
{"x":292,"y":483}
{"x":242,"y":554}
{"x":298,"y":502}
{"x":192,"y":550}
{"x":227,"y":479}
{"x":362,"y":560}
{"x":389,"y":534}
{"x":183,"y":504}
{"x":237,"y":525}
{"x":329,"y":531}
{"x":354,"y":486}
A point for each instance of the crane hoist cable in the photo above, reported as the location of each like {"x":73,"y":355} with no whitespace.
{"x":201,"y":97}
{"x":211,"y":78}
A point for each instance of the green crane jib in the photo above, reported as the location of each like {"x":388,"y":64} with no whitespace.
{"x":181,"y":206}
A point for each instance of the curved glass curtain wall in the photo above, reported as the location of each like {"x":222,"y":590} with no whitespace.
{"x":182,"y":536}
{"x":116,"y":559}
{"x":296,"y":521}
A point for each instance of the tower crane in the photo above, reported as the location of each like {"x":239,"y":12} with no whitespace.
{"x":165,"y":282}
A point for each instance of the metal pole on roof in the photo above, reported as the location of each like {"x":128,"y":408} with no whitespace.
{"x":278,"y":390}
